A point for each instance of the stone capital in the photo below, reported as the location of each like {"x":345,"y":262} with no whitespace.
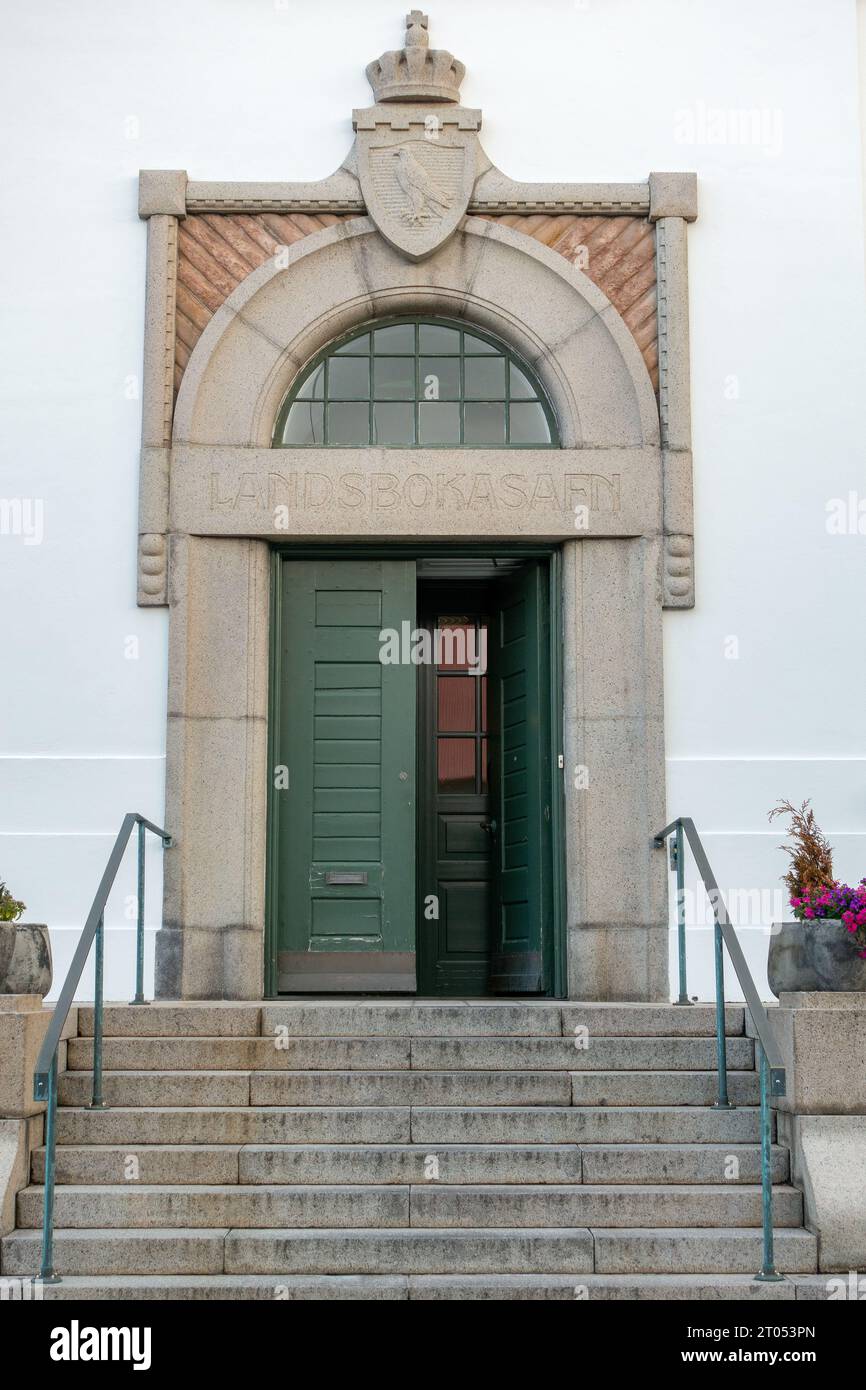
{"x":673,"y":195}
{"x":162,"y":192}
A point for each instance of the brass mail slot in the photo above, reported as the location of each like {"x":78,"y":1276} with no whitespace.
{"x":346,"y":876}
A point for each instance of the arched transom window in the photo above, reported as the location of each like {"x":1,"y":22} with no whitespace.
{"x":417,"y":383}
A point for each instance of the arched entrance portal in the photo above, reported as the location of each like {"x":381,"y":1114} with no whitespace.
{"x":416,"y":829}
{"x":584,"y":504}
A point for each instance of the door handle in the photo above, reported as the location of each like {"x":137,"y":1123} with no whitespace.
{"x":489,"y":826}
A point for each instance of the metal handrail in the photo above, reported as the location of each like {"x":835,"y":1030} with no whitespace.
{"x":45,"y":1075}
{"x":772,"y":1067}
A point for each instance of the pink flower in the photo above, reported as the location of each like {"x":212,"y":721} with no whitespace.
{"x":810,"y":912}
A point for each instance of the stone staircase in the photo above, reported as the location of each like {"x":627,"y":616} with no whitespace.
{"x":357,"y":1149}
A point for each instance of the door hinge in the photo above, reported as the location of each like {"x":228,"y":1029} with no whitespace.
{"x":560,"y":761}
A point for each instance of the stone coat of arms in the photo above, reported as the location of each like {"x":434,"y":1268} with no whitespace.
{"x":416,"y":183}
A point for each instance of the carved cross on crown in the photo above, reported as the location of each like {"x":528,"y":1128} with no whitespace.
{"x":416,"y":29}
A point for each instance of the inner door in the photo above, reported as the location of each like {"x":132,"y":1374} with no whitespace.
{"x":485,"y":881}
{"x":456,"y":823}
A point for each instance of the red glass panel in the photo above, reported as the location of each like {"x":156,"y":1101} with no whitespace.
{"x":455,"y":643}
{"x":456,"y":704}
{"x":456,"y":764}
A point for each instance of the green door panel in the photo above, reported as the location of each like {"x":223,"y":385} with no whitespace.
{"x":345,"y":824}
{"x":520,"y":784}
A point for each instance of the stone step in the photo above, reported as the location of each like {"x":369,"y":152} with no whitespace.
{"x":437,"y":1206}
{"x":409,"y":1251}
{"x":330,"y":1124}
{"x":168,"y":1089}
{"x":661,"y":1088}
{"x":454,"y":1208}
{"x":411,"y":1088}
{"x":591,"y":1288}
{"x":410,"y":1163}
{"x":592,"y":1054}
{"x":585,"y":1125}
{"x":441,"y":1287}
{"x":313,"y":1163}
{"x":142,"y":1206}
{"x":246,"y":1054}
{"x":408,"y":1018}
{"x":158,"y":1089}
{"x":201,"y":1287}
{"x":271,"y":1125}
{"x":110,"y":1252}
{"x":104,"y":1252}
{"x":402,"y":1018}
{"x":412,"y":1018}
{"x":422,"y":1018}
{"x":337,"y":1164}
{"x":691,"y":1251}
{"x":649,"y":1020}
{"x":164,"y":1019}
{"x":679,"y":1163}
{"x":147,"y":1163}
{"x":420,"y":1054}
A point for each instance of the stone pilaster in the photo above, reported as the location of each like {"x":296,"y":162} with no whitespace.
{"x":614,"y":770}
{"x":211,"y":945}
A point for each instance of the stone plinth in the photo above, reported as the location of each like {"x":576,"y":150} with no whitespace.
{"x":23,"y":1023}
{"x":822,"y":1118}
{"x":823,"y":1041}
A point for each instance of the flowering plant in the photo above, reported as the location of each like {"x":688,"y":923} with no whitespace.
{"x":815,"y":895}
{"x":839,"y":901}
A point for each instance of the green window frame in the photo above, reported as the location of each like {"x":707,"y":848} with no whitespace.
{"x":416,"y":383}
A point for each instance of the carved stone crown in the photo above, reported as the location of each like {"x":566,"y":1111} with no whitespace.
{"x":416,"y":72}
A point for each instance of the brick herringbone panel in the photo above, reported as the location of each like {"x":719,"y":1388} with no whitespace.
{"x":618,"y":255}
{"x":216,"y":251}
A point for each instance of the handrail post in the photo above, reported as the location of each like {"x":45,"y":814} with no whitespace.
{"x":47,"y":1274}
{"x":678,"y":856}
{"x":769,"y":1273}
{"x":97,"y":1102}
{"x":723,"y":1103}
{"x":139,"y":931}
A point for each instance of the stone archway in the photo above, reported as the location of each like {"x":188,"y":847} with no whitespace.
{"x":229,"y":500}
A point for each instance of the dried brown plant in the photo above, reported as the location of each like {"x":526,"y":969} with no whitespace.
{"x":811,"y":856}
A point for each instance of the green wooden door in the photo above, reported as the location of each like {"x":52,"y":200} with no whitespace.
{"x":344,"y":840}
{"x":520,"y":783}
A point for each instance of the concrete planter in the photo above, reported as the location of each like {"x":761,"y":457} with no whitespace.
{"x":7,"y":946}
{"x":789,"y":969}
{"x":27,"y":969}
{"x":835,"y":962}
{"x":806,"y":957}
